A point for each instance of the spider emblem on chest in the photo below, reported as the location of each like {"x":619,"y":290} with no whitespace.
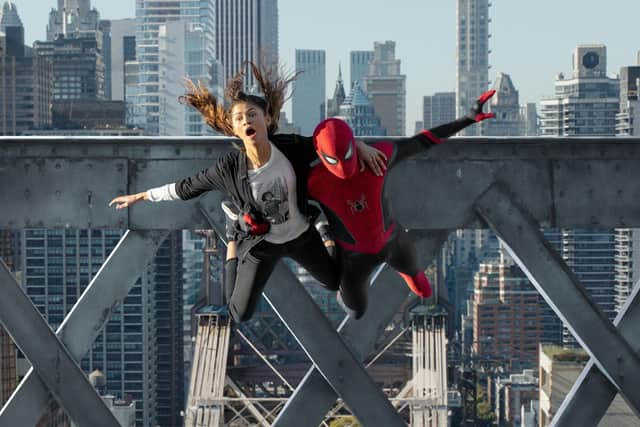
{"x":358,"y":205}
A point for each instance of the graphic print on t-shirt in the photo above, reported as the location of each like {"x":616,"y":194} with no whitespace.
{"x":274,"y":198}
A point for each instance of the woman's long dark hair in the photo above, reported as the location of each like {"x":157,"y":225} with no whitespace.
{"x":273,"y":82}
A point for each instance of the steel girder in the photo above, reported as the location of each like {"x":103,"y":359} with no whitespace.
{"x":56,"y":368}
{"x":57,"y":183}
{"x":615,"y":357}
{"x":82,"y":325}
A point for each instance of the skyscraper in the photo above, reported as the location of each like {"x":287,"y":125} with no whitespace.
{"x":149,"y":17}
{"x":9,"y":16}
{"x":438,"y":108}
{"x":628,"y":119}
{"x":123,"y":49}
{"x":590,"y":253}
{"x":627,"y":263}
{"x":505,"y":104}
{"x":359,"y":66}
{"x":72,"y":17}
{"x":587,"y":103}
{"x":167,"y":320}
{"x":78,"y":67}
{"x":472,"y":45}
{"x":385,"y":86}
{"x":506,"y":314}
{"x":529,"y":114}
{"x":359,"y":113}
{"x":25,"y":81}
{"x":333,"y":104}
{"x":309,"y":92}
{"x":184,"y":52}
{"x":246,"y":31}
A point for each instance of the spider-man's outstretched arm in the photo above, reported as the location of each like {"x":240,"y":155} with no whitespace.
{"x":429,"y":138}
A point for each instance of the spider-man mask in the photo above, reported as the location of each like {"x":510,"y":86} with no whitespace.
{"x":336,"y":147}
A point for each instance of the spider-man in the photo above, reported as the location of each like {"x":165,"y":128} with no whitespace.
{"x":359,"y":213}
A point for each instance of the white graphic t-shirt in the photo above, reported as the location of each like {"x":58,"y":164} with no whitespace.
{"x":273,"y":186}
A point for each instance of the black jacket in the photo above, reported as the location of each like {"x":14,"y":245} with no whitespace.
{"x":229,"y":174}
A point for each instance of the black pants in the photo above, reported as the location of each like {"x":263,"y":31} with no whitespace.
{"x":399,"y":253}
{"x":254,"y":269}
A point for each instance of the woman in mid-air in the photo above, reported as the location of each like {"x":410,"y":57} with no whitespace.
{"x":266,"y":181}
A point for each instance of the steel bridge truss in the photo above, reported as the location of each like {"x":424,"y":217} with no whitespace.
{"x":513,"y":186}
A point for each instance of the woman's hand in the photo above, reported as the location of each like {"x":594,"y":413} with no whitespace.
{"x":375,"y":159}
{"x":122,"y":202}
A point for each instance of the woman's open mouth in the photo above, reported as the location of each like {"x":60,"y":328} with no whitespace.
{"x":250,"y":131}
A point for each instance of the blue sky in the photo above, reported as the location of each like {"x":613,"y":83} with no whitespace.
{"x":531,"y":40}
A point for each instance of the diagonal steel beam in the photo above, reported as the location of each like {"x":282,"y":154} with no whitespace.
{"x":314,"y":397}
{"x":563,"y":292}
{"x":82,"y":325}
{"x":592,"y":394}
{"x":337,"y":364}
{"x":50,"y":359}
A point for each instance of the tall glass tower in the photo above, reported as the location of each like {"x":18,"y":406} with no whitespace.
{"x":150,"y":16}
{"x":309,"y":95}
{"x":472,"y":44}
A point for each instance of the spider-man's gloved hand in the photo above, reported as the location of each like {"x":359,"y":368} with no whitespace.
{"x":476,"y":114}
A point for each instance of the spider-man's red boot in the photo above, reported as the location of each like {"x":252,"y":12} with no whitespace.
{"x":419,"y":284}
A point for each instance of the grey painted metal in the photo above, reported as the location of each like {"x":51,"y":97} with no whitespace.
{"x":81,"y":326}
{"x":337,"y":364}
{"x":314,"y":397}
{"x":74,"y":179}
{"x":49,"y":358}
{"x":592,"y":393}
{"x":522,"y":238}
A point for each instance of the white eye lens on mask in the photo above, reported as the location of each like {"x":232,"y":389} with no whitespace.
{"x":330,"y":159}
{"x":349,"y":152}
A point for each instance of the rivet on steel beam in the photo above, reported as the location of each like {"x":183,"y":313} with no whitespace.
{"x":58,"y":165}
{"x":89,"y":198}
{"x":58,"y":194}
{"x":27,"y":194}
{"x":459,"y":173}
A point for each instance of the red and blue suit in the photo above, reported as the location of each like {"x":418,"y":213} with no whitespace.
{"x":359,"y":213}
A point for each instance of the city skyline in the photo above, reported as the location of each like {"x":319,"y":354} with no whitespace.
{"x":565,"y":26}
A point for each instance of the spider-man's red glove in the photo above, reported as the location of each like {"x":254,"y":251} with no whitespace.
{"x":254,"y":227}
{"x":476,"y":114}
